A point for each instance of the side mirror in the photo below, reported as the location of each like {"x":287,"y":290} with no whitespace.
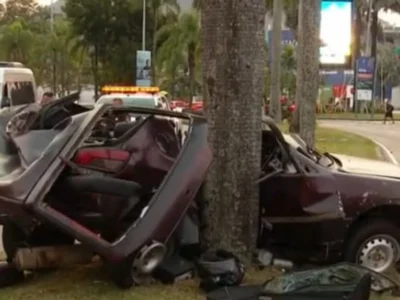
{"x":5,"y":102}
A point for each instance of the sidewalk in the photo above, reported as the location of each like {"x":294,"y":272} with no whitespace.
{"x":387,"y":136}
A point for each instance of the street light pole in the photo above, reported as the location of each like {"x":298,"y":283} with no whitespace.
{"x":54,"y":50}
{"x":144,"y":26}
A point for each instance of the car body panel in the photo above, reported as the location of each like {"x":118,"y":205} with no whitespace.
{"x":167,"y":207}
{"x":315,"y":207}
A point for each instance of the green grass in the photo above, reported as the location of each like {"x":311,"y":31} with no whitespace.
{"x":355,"y":117}
{"x":91,"y":282}
{"x":340,"y":142}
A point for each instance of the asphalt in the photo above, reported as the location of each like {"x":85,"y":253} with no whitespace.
{"x":387,"y":136}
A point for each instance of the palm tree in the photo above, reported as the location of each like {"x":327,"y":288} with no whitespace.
{"x":290,"y":8}
{"x":307,"y":70}
{"x":16,"y":41}
{"x":178,"y":52}
{"x":288,"y":66}
{"x":159,"y":10}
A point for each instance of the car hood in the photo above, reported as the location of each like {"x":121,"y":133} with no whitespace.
{"x":357,"y":165}
{"x":364,"y":166}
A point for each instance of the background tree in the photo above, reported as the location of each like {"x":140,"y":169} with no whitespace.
{"x":232,"y":39}
{"x":288,"y":66}
{"x":16,"y":40}
{"x":18,"y":10}
{"x":307,"y":69}
{"x":112,"y":29}
{"x":178,"y":54}
{"x":158,"y":9}
{"x":276,"y":47}
{"x":388,"y":67}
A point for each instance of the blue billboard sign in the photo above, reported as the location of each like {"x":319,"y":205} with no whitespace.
{"x":365,"y":71}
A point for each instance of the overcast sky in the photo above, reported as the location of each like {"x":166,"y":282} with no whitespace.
{"x":389,"y":17}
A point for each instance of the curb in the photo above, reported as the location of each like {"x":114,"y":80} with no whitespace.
{"x":354,"y":119}
{"x":385,"y":153}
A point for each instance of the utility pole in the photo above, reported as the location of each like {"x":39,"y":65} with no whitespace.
{"x":144,"y":26}
{"x":275,"y":104}
{"x":54,"y":71}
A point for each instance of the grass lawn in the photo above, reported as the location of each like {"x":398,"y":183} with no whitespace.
{"x":90,"y":282}
{"x":353,"y":116}
{"x":337,"y":141}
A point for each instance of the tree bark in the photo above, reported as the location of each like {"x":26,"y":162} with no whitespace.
{"x":307,"y":69}
{"x":232,"y":39}
{"x":275,"y":110}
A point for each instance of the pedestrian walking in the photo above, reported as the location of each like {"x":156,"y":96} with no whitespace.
{"x":388,"y":112}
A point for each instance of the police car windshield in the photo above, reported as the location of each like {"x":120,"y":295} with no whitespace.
{"x":145,"y":102}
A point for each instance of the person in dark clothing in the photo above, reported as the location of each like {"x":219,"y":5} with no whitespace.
{"x":47,"y":97}
{"x":388,"y":112}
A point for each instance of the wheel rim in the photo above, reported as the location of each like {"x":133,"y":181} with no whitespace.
{"x":379,"y":253}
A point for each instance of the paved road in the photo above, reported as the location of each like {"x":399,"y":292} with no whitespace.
{"x":386,"y":134}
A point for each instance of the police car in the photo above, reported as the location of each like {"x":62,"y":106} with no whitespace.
{"x":147,"y":97}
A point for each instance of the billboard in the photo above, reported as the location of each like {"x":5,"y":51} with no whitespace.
{"x":336,"y":32}
{"x":143,"y":68}
{"x":365,"y":78}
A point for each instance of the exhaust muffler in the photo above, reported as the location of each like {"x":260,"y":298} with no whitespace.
{"x":149,"y":258}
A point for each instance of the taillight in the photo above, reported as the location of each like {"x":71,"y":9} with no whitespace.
{"x":102,"y":158}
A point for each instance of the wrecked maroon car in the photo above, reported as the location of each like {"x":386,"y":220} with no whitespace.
{"x":327,"y":207}
{"x":121,"y":189}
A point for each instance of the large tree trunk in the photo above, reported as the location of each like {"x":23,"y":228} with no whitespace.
{"x":275,"y":110}
{"x":232,"y":67}
{"x":307,"y":69}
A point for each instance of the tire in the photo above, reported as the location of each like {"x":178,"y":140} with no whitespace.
{"x":9,"y":275}
{"x":366,"y":234}
{"x":122,"y":273}
{"x":14,"y":238}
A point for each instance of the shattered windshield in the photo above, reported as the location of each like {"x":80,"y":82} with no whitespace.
{"x":324,"y":159}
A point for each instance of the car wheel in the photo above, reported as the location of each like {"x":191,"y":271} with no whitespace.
{"x":14,"y":238}
{"x":123,"y":275}
{"x":374,"y":245}
{"x":9,"y":275}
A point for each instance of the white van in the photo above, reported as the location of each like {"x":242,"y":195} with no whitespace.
{"x":17,"y":84}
